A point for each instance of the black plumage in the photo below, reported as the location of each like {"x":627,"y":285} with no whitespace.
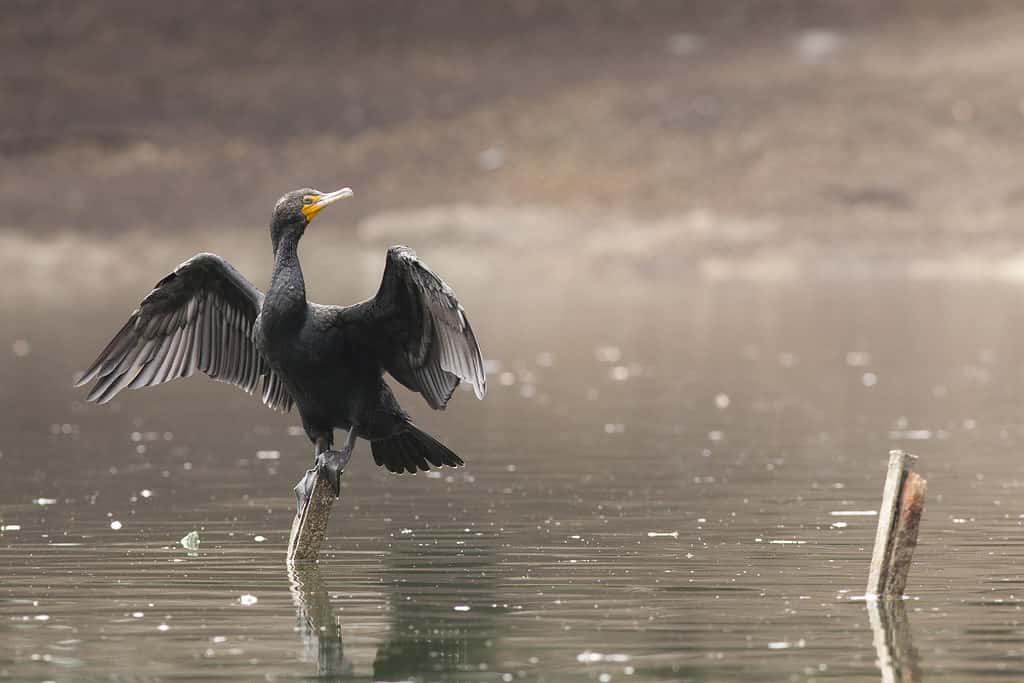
{"x":328,"y":361}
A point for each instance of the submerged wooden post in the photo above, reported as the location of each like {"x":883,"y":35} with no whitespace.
{"x":899,"y":519}
{"x":897,"y":658}
{"x":318,"y":625}
{"x":309,"y":528}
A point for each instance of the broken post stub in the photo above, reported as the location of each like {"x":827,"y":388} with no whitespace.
{"x":309,"y":527}
{"x":899,"y":519}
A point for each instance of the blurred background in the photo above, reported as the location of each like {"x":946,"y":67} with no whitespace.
{"x":720,"y":256}
{"x":775,"y":132}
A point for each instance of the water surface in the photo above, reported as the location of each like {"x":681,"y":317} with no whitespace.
{"x":655,"y":490}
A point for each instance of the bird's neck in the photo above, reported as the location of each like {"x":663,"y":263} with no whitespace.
{"x":287,"y":295}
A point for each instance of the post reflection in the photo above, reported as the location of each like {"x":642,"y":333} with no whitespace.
{"x":894,"y":646}
{"x":318,"y":625}
{"x":426,"y":635}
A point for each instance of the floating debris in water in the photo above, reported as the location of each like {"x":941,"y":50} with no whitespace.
{"x":268,"y":455}
{"x":21,"y":348}
{"x":785,"y":644}
{"x":260,"y":539}
{"x":115,"y":525}
{"x":44,"y":501}
{"x":614,"y":428}
{"x":162,"y":627}
{"x":507,"y":379}
{"x":913,"y":434}
{"x":146,"y":493}
{"x":248,"y":599}
{"x":722,"y":401}
{"x":858,"y":359}
{"x":608,"y":354}
{"x":788,"y":360}
{"x":591,"y":657}
{"x":716,"y":435}
{"x":138,"y":615}
{"x":545,"y":359}
{"x":150,"y":436}
{"x":64,"y":428}
{"x":10,"y":527}
{"x":786,"y":541}
{"x":190,"y":541}
{"x":869,"y":379}
{"x":853,"y":513}
{"x":657,"y":534}
{"x":461,"y":608}
{"x":839,"y":525}
{"x":619,"y":373}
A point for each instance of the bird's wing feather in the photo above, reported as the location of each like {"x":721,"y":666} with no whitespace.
{"x":424,"y":337}
{"x":200,"y":317}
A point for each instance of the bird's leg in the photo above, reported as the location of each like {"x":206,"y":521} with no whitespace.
{"x":305,"y":485}
{"x":333,"y":463}
{"x":323,"y":443}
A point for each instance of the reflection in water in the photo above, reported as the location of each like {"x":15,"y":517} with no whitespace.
{"x":425,"y":640}
{"x":318,"y":625}
{"x":421,"y":640}
{"x":894,"y":646}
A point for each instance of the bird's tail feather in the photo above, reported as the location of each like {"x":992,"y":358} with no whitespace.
{"x":412,"y":450}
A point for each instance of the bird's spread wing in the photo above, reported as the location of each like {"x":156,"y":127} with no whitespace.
{"x":424,"y":337}
{"x":199,"y":317}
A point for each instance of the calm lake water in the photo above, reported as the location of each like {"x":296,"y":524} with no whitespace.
{"x":663,"y":484}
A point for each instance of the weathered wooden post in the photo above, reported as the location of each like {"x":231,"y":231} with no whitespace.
{"x":309,"y":528}
{"x":899,"y":519}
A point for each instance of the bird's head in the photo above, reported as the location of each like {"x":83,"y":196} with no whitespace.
{"x":296,"y":209}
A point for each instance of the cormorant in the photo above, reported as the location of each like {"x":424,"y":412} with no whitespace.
{"x":328,"y":361}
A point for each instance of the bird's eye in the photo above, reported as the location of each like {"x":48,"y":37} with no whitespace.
{"x":307,"y":200}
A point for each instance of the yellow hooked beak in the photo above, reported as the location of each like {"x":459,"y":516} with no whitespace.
{"x":315,"y":203}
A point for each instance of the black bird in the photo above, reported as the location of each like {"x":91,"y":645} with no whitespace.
{"x":329,"y":361}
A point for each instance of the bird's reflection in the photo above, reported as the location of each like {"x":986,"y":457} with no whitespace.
{"x":318,"y":625}
{"x":428,"y":636}
{"x":897,"y":657}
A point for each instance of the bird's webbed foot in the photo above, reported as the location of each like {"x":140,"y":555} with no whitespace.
{"x":332,"y":464}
